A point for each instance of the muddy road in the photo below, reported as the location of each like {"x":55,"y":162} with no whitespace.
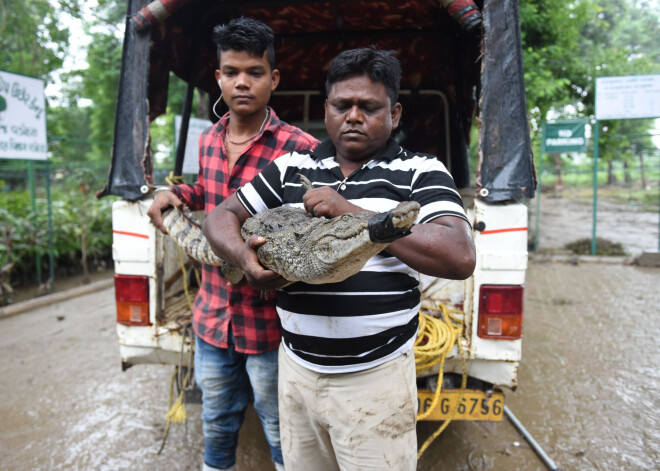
{"x":588,"y":387}
{"x":564,"y":220}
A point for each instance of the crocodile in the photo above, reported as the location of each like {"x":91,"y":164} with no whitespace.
{"x":186,"y":231}
{"x":299,"y":246}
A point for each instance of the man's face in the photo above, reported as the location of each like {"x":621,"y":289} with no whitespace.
{"x":359,"y":117}
{"x":247,"y":81}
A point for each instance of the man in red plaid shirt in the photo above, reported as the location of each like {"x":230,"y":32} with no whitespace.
{"x":238,"y":331}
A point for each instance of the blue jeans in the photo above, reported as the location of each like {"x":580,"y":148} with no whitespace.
{"x":224,"y":377}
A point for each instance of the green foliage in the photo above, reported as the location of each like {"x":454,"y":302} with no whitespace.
{"x":33,"y":40}
{"x":566,"y":46}
{"x":550,"y":36}
{"x":68,"y":129}
{"x":22,"y":239}
{"x":99,"y":81}
{"x":80,"y":213}
{"x":82,"y":226}
{"x":620,"y":140}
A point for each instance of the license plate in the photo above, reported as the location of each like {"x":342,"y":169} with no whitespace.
{"x":475,"y":404}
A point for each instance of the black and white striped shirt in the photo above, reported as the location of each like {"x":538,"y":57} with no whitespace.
{"x":371,"y":317}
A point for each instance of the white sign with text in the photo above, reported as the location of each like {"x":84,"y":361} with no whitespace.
{"x":627,"y":97}
{"x":22,"y":117}
{"x":196,"y":127}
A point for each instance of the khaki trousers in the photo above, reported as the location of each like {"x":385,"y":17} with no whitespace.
{"x":349,"y":421}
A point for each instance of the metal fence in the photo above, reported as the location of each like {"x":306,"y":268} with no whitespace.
{"x":632,"y":176}
{"x":50,"y":218}
{"x":633,"y":187}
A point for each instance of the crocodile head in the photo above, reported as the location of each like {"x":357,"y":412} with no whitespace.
{"x":354,"y":235}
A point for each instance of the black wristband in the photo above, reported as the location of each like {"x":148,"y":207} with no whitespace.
{"x":382,"y":230}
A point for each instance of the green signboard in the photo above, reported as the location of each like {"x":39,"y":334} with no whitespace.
{"x":564,"y":136}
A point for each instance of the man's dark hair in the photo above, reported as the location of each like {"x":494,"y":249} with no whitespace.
{"x":246,"y":34}
{"x":379,"y":65}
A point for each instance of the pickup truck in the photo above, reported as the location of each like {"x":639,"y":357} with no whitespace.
{"x":462,"y":88}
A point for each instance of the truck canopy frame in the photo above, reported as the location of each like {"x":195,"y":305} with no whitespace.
{"x":452,"y":73}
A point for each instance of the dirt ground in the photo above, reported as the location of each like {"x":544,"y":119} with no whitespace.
{"x":565,"y":219}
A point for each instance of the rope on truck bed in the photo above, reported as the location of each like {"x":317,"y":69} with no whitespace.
{"x":177,"y":411}
{"x":435,"y":339}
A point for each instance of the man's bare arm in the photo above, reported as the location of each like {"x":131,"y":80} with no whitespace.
{"x":443,"y":248}
{"x":222,"y":228}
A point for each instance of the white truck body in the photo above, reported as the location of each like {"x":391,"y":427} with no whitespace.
{"x":462,"y":64}
{"x":140,"y":249}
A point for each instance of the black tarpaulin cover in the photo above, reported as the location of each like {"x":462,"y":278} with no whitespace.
{"x":131,"y":154}
{"x":506,"y":167}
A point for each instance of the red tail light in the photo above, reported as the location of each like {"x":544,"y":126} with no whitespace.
{"x":132,"y":299}
{"x":500,"y":312}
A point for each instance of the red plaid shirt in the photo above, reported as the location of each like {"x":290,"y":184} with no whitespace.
{"x":253,"y":319}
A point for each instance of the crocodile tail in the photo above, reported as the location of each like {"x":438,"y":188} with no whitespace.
{"x":186,"y":231}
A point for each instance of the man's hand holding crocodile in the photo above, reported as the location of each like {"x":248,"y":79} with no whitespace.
{"x":327,"y":202}
{"x":230,"y":214}
{"x":162,"y":200}
{"x":256,"y":275}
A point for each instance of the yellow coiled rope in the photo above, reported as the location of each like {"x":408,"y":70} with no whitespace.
{"x":172,"y":179}
{"x":435,"y":339}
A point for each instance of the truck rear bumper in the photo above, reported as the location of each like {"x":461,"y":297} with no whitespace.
{"x":500,"y":373}
{"x":132,"y":355}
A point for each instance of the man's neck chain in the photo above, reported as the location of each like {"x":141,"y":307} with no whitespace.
{"x":239,"y":143}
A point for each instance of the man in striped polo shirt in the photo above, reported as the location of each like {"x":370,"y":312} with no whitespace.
{"x":347,"y":385}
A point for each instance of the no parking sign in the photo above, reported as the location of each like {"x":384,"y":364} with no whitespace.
{"x":564,"y":136}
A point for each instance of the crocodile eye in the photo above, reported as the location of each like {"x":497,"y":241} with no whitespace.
{"x":345,"y":217}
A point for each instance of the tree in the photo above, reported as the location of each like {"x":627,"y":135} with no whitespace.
{"x":566,"y":46}
{"x":99,"y":80}
{"x":551,"y":41}
{"x":625,"y":39}
{"x":68,"y":130}
{"x":33,"y":41}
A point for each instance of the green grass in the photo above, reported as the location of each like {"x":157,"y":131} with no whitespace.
{"x":578,"y":184}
